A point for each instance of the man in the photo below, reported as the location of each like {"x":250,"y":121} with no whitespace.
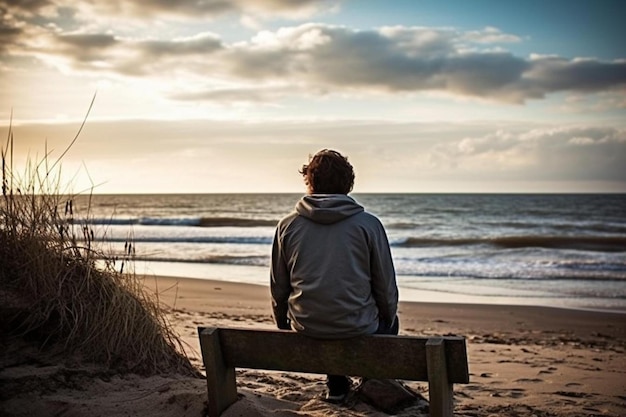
{"x":332,"y":275}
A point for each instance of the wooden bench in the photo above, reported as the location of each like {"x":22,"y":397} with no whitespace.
{"x":441,"y":361}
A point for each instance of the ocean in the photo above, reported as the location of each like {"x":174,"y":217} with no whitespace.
{"x":529,"y":249}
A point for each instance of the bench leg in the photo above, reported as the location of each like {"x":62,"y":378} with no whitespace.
{"x":439,"y":388}
{"x":220,"y":378}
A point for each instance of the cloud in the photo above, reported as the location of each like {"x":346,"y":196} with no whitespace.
{"x":107,"y":54}
{"x":491,"y":35}
{"x":401,"y":59}
{"x":559,"y":74}
{"x":85,"y":47}
{"x":320,"y":58}
{"x":10,"y":30}
{"x":385,"y":154}
{"x":182,"y":8}
{"x":233,"y":95}
{"x":606,"y":101}
{"x":24,"y":6}
{"x":549,"y":153}
{"x":201,"y":44}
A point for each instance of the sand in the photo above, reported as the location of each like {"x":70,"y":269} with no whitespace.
{"x":524,"y":361}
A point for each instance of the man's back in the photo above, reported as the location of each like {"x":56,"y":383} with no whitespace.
{"x":332,"y":262}
{"x":332,"y":274}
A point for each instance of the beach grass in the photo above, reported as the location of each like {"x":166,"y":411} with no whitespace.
{"x":63,"y":292}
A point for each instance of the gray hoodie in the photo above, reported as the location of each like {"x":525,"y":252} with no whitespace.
{"x":332,"y":274}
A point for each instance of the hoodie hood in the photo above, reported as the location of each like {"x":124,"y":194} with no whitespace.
{"x":327,"y":208}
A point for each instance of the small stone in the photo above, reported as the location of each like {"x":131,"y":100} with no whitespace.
{"x":388,"y":395}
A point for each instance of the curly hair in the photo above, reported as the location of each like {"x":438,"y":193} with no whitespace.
{"x":328,"y":172}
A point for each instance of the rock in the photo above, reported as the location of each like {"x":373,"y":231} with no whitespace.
{"x":389,"y":395}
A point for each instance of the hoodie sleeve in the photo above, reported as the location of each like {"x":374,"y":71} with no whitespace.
{"x":280,"y":286}
{"x":384,"y":287}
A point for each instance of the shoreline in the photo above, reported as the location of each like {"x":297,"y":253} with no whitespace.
{"x":253,"y":301}
{"x":412,"y":295}
{"x":429,"y":289}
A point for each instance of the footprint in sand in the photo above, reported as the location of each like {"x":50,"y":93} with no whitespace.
{"x":573,"y":394}
{"x":513,"y":393}
{"x":532,"y":380}
{"x":517,"y":393}
{"x":549,"y":370}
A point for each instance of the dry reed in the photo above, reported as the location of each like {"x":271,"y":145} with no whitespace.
{"x":61,"y":291}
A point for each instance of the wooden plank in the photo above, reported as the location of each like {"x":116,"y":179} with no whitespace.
{"x":360,"y":356}
{"x":456,"y":359}
{"x":439,"y":387}
{"x":220,"y":376}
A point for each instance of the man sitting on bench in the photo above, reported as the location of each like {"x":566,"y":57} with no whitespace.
{"x":332,"y":275}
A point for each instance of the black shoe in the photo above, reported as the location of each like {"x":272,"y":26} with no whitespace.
{"x":336,"y":398}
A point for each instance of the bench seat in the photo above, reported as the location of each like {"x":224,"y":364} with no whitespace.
{"x":442,"y":361}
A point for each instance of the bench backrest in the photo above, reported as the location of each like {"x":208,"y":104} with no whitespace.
{"x":372,"y":356}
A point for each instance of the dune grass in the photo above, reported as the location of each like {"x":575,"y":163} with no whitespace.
{"x":63,"y":292}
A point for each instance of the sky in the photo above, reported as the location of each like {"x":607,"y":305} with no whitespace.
{"x":213,"y":96}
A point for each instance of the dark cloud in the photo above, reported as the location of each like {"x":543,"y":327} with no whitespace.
{"x":232,"y":95}
{"x":10,"y":29}
{"x":88,"y":41}
{"x":192,"y":8}
{"x":199,"y":45}
{"x":23,"y":21}
{"x":163,"y":8}
{"x":248,"y":63}
{"x":490,"y":74}
{"x":195,"y":8}
{"x":83,"y":49}
{"x":9,"y":34}
{"x":558,"y":74}
{"x":30,"y":6}
{"x":109,"y":54}
{"x":157,"y":58}
{"x":414,"y":59}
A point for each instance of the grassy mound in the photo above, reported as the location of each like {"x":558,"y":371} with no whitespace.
{"x":61,"y":292}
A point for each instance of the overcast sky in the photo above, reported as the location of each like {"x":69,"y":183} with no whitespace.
{"x":233,"y":96}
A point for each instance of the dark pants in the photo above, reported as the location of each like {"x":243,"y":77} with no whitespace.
{"x":340,"y":384}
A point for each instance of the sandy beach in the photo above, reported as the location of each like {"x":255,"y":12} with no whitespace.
{"x":524,"y":361}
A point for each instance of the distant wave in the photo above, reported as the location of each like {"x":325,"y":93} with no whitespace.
{"x":501,"y":272}
{"x":593,"y":243}
{"x":402,"y":225}
{"x":521,"y":226}
{"x":183,"y":221}
{"x":490,"y":272}
{"x":234,"y":222}
{"x":218,"y":259}
{"x":262,"y":240}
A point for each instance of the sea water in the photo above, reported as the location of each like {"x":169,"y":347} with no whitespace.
{"x":540,"y":249}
